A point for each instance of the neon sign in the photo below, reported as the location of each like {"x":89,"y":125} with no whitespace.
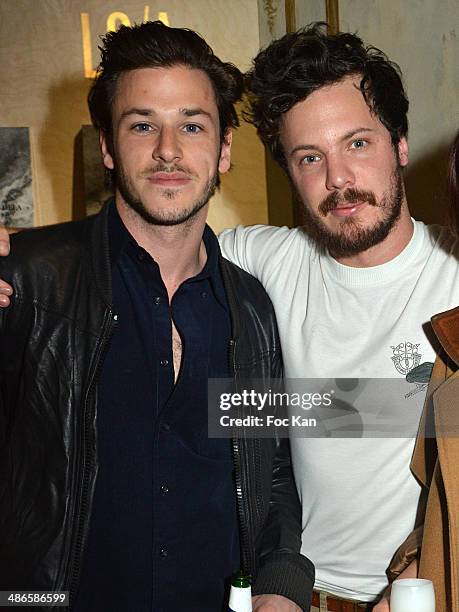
{"x":114,"y":21}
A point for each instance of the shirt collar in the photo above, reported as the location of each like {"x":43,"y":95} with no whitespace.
{"x":119,"y":238}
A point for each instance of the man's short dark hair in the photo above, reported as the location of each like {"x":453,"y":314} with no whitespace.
{"x":155,"y":45}
{"x":292,"y":68}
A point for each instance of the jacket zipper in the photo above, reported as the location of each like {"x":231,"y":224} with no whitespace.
{"x":87,"y":462}
{"x":247,"y":552}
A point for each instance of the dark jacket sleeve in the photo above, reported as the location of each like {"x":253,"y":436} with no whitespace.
{"x":2,"y":404}
{"x":5,"y":357}
{"x":12,"y":339}
{"x":275,"y":510}
{"x":283,"y":570}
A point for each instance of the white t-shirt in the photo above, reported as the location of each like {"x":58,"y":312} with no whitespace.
{"x":359,"y":498}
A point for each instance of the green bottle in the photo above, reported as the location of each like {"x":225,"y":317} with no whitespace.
{"x":240,"y":599}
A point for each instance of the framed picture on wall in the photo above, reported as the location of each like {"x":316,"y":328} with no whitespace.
{"x":16,"y":200}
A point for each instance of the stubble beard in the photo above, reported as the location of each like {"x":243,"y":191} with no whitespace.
{"x":352,"y":238}
{"x":170,"y":216}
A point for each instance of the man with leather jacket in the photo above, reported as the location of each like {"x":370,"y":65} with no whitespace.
{"x":110,"y":487}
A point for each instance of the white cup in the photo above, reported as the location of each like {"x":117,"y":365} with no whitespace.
{"x":412,"y":595}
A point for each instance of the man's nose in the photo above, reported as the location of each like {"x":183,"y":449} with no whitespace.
{"x":339,"y":174}
{"x":167,"y":147}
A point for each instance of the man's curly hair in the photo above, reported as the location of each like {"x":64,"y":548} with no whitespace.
{"x":292,"y":68}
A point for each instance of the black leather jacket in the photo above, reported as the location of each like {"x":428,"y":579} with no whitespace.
{"x":52,"y":343}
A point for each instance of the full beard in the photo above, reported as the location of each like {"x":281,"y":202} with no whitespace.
{"x":170,"y":216}
{"x":351,"y":238}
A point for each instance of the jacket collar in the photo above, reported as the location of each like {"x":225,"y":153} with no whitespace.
{"x":446,"y":328}
{"x":100,"y":254}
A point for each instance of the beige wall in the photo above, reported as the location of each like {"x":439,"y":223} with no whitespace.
{"x":272,"y":18}
{"x":44,"y":88}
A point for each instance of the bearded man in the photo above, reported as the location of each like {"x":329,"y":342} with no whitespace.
{"x":353,"y":291}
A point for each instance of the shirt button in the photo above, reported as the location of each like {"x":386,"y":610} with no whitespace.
{"x":164,"y":489}
{"x":204,"y":294}
{"x":164,"y":362}
{"x":156,"y":300}
{"x":166,"y":427}
{"x":163,"y":552}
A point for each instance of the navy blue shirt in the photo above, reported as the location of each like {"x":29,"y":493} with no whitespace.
{"x":163,"y":533}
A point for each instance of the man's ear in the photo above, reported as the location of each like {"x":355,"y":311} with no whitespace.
{"x":224,"y":162}
{"x":105,"y":150}
{"x":403,"y":151}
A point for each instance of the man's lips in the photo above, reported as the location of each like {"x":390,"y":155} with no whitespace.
{"x":347,"y":209}
{"x":169,"y":179}
{"x":347,"y":203}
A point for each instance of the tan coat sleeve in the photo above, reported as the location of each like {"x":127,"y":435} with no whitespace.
{"x":408,"y":551}
{"x":423,"y":466}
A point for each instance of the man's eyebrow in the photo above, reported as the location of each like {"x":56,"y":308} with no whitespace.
{"x":192,"y":112}
{"x":346,"y":136}
{"x":149,"y":112}
{"x":352,"y":133}
{"x":144,"y":112}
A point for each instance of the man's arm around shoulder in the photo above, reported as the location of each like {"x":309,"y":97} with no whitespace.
{"x":282,"y":566}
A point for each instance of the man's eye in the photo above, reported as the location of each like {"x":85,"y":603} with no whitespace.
{"x":192,"y":128}
{"x":142,"y":127}
{"x":359,"y":144}
{"x":310,"y":159}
